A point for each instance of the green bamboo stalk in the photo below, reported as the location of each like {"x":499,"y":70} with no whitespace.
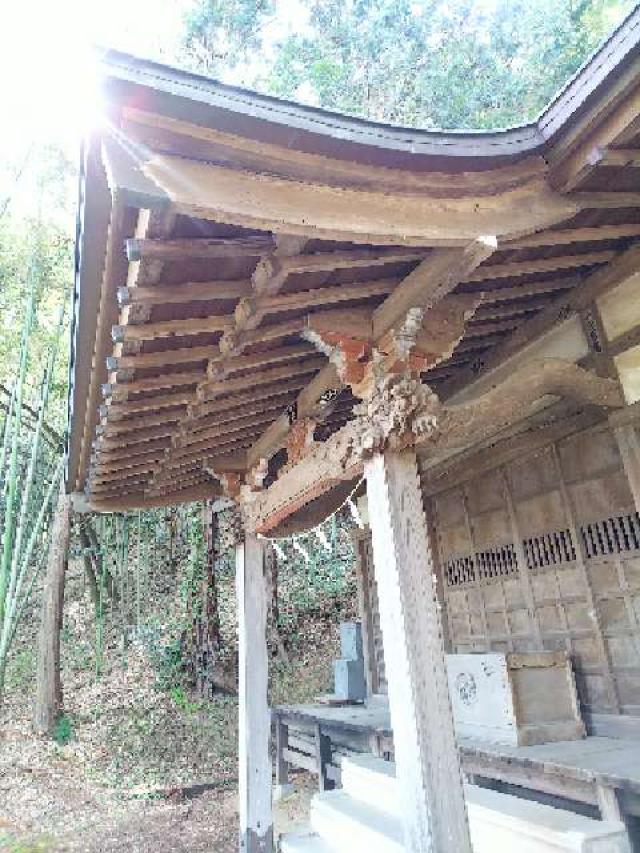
{"x":138,"y":568}
{"x":6,"y":434}
{"x":10,"y":619}
{"x":36,"y":443}
{"x":12,"y":491}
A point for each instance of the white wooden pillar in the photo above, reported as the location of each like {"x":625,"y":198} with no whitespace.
{"x":427,"y":762}
{"x":254,"y":772}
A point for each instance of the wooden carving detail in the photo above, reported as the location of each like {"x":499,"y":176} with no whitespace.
{"x":300,"y":439}
{"x":398,"y":411}
{"x":401,"y":412}
{"x":257,"y":475}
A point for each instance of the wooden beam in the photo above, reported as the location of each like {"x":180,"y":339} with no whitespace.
{"x":436,"y":276}
{"x":567,"y":236}
{"x":309,"y":209}
{"x":624,"y":265}
{"x":170,"y":329}
{"x":281,"y":392}
{"x":164,"y":358}
{"x":274,"y":436}
{"x":138,"y":500}
{"x":260,"y":359}
{"x":192,"y":440}
{"x":188,"y":291}
{"x":605,"y":200}
{"x":274,"y":271}
{"x":517,"y":396}
{"x":458,"y":427}
{"x":132,"y":439}
{"x":515,"y":308}
{"x":209,"y":390}
{"x":148,"y":404}
{"x":259,"y":156}
{"x":190,"y":432}
{"x":210,"y":445}
{"x":569,"y":169}
{"x":254,"y":723}
{"x":117,"y":454}
{"x":543,"y":265}
{"x":121,"y":390}
{"x":128,"y":425}
{"x":629,"y":447}
{"x":522,"y":291}
{"x":202,"y":248}
{"x":429,"y":282}
{"x":439,"y":475}
{"x":304,"y":299}
{"x":426,"y":755}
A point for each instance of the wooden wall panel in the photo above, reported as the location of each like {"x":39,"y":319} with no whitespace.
{"x":545,"y":553}
{"x":370,"y":615}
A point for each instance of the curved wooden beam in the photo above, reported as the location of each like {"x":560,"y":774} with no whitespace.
{"x":306,"y":209}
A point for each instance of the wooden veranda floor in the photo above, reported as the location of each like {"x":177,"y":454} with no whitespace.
{"x":584,"y":771}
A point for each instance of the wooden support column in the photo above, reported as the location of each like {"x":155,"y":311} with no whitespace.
{"x":427,"y":763}
{"x":629,"y":446}
{"x":254,"y":772}
{"x":581,"y":565}
{"x":523,"y":568}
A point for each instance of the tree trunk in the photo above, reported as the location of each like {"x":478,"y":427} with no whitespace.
{"x":89,"y":571}
{"x":48,"y":702}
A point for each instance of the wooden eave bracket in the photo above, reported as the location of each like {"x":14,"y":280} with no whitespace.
{"x":403,"y":412}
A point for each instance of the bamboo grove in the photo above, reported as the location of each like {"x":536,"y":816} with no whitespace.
{"x":31,"y":471}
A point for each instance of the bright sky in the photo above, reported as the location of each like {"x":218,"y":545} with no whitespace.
{"x":47,"y":59}
{"x":48,"y":63}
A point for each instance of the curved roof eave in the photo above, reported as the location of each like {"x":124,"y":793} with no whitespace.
{"x":209,"y":103}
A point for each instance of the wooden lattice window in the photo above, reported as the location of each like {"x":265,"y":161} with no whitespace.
{"x":612,"y":535}
{"x":497,"y":562}
{"x":549,"y":549}
{"x":490,"y":564}
{"x":459,"y":570}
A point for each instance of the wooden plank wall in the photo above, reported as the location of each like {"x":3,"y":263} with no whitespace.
{"x":370,"y":613}
{"x":545,"y":553}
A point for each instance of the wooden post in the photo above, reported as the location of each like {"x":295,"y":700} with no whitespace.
{"x":48,"y":701}
{"x":282,"y":743}
{"x":254,"y":773}
{"x":629,"y":445}
{"x":427,"y":763}
{"x":323,"y":758}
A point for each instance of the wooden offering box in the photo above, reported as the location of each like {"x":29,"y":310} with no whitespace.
{"x":515,"y":698}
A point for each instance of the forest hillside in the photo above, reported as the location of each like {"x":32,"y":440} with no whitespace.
{"x":141,"y":752}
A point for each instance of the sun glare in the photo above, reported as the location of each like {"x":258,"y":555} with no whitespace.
{"x":48,"y":73}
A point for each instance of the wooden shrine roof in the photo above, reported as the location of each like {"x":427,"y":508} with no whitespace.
{"x":214,"y":222}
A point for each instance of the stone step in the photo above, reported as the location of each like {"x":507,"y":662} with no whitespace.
{"x":354,"y":826}
{"x":503,"y":822}
{"x":371,"y":780}
{"x":304,"y":841}
{"x":494,"y":818}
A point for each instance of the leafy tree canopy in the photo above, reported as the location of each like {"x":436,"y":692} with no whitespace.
{"x":421,"y":63}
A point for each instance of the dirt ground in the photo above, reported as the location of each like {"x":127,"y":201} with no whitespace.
{"x":145,"y":767}
{"x":48,"y":802}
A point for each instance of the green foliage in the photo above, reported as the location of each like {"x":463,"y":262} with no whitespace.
{"x":63,"y":730}
{"x":219,"y":34}
{"x":422,"y":63}
{"x":10,"y":844}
